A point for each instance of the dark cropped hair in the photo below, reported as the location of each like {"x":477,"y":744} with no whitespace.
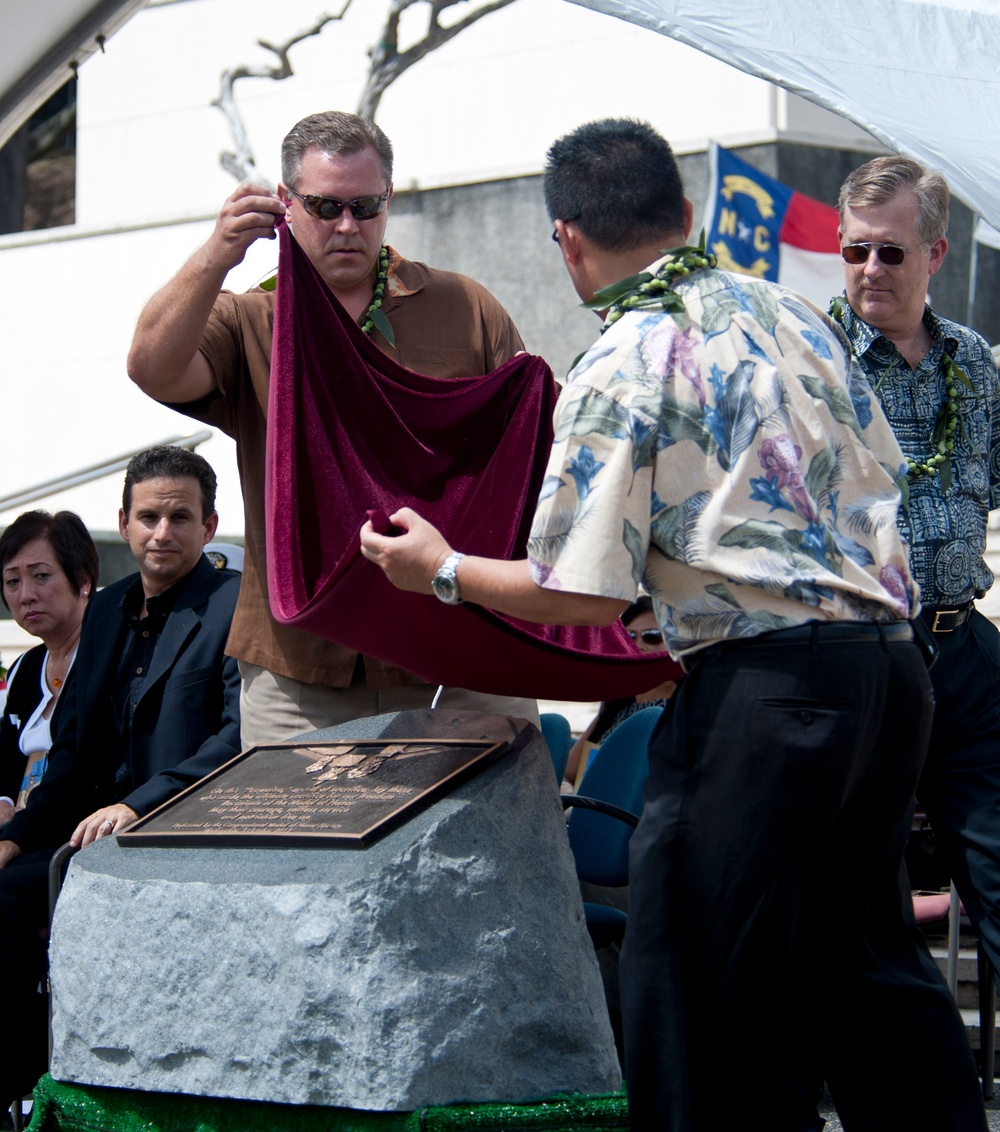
{"x":167,"y":461}
{"x":618,"y":180}
{"x":333,"y":131}
{"x":70,"y":541}
{"x":880,"y":180}
{"x":642,"y":604}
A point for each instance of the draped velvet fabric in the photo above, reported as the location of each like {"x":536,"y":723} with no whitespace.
{"x":350,"y":430}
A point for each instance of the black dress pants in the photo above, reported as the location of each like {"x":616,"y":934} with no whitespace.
{"x":24,"y":895}
{"x":771,"y":941}
{"x":960,"y":785}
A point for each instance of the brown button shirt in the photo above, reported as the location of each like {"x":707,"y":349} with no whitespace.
{"x":445,"y":325}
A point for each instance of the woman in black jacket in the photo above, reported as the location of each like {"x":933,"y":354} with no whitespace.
{"x":48,"y":570}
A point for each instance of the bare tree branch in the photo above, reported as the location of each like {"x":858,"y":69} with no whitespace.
{"x":242,"y":164}
{"x":388,"y":62}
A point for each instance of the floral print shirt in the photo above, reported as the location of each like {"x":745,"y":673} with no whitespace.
{"x":731,"y":459}
{"x":946,"y":529}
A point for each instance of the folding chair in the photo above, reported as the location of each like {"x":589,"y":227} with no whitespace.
{"x":604,"y":813}
{"x":559,"y":737}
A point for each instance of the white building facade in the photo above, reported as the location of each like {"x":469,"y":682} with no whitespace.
{"x":482,"y":109}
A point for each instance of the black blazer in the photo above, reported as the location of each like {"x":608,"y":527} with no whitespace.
{"x":186,"y":723}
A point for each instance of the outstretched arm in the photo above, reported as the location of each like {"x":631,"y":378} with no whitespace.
{"x":164,"y":360}
{"x":411,"y":559}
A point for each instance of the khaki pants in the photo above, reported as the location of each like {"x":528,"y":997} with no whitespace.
{"x":275,"y":708}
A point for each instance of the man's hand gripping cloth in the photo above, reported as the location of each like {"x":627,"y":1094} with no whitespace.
{"x":351,"y":430}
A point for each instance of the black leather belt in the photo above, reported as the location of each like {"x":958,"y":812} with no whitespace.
{"x":945,"y":619}
{"x":846,"y":631}
{"x":828,"y":632}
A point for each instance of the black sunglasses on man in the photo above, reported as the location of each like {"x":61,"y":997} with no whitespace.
{"x":330,"y":208}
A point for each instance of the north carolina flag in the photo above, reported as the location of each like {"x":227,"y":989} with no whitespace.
{"x":758,"y":226}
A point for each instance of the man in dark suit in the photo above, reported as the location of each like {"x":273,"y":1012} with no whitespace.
{"x":151,"y":706}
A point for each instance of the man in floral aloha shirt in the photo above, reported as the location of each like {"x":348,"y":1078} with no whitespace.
{"x":716,"y":446}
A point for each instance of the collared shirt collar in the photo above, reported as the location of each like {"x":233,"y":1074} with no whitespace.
{"x":864,"y":337}
{"x":159,"y":605}
{"x":405,"y":277}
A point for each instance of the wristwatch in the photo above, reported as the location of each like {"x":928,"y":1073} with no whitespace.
{"x":445,"y":581}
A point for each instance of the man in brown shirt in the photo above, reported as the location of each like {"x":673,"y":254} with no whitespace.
{"x":207,"y":353}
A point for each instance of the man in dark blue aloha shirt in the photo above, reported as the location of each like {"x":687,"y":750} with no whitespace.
{"x":937,"y":382}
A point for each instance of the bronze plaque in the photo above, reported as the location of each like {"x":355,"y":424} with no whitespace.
{"x":342,"y":793}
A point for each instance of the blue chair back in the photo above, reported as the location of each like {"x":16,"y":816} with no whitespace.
{"x":617,"y":774}
{"x":559,"y":737}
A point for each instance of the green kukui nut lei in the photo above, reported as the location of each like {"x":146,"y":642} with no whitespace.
{"x":375,"y":318}
{"x":652,"y":290}
{"x":947,"y":422}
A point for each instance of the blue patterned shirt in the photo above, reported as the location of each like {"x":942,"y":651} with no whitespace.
{"x":946,"y":529}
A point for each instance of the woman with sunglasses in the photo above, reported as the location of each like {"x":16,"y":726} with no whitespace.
{"x":644,"y":631}
{"x":48,"y":570}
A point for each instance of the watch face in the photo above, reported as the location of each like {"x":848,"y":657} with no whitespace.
{"x":445,"y":588}
{"x":445,"y":582}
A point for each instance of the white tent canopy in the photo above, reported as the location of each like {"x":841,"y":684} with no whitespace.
{"x":919,"y":75}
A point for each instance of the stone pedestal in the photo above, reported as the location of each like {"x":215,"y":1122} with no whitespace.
{"x":448,"y":962}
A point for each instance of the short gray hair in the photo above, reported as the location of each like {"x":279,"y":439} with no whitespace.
{"x":878,"y":182}
{"x":333,"y":131}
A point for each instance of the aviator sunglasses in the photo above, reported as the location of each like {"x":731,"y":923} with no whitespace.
{"x":649,"y":636}
{"x":892,"y":255}
{"x":329,"y":208}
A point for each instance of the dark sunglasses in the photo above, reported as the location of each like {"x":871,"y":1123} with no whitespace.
{"x":892,"y":255}
{"x":329,"y":208}
{"x":565,"y":220}
{"x":649,"y":636}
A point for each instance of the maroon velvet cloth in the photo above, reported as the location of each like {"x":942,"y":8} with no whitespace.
{"x":350,"y":430}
